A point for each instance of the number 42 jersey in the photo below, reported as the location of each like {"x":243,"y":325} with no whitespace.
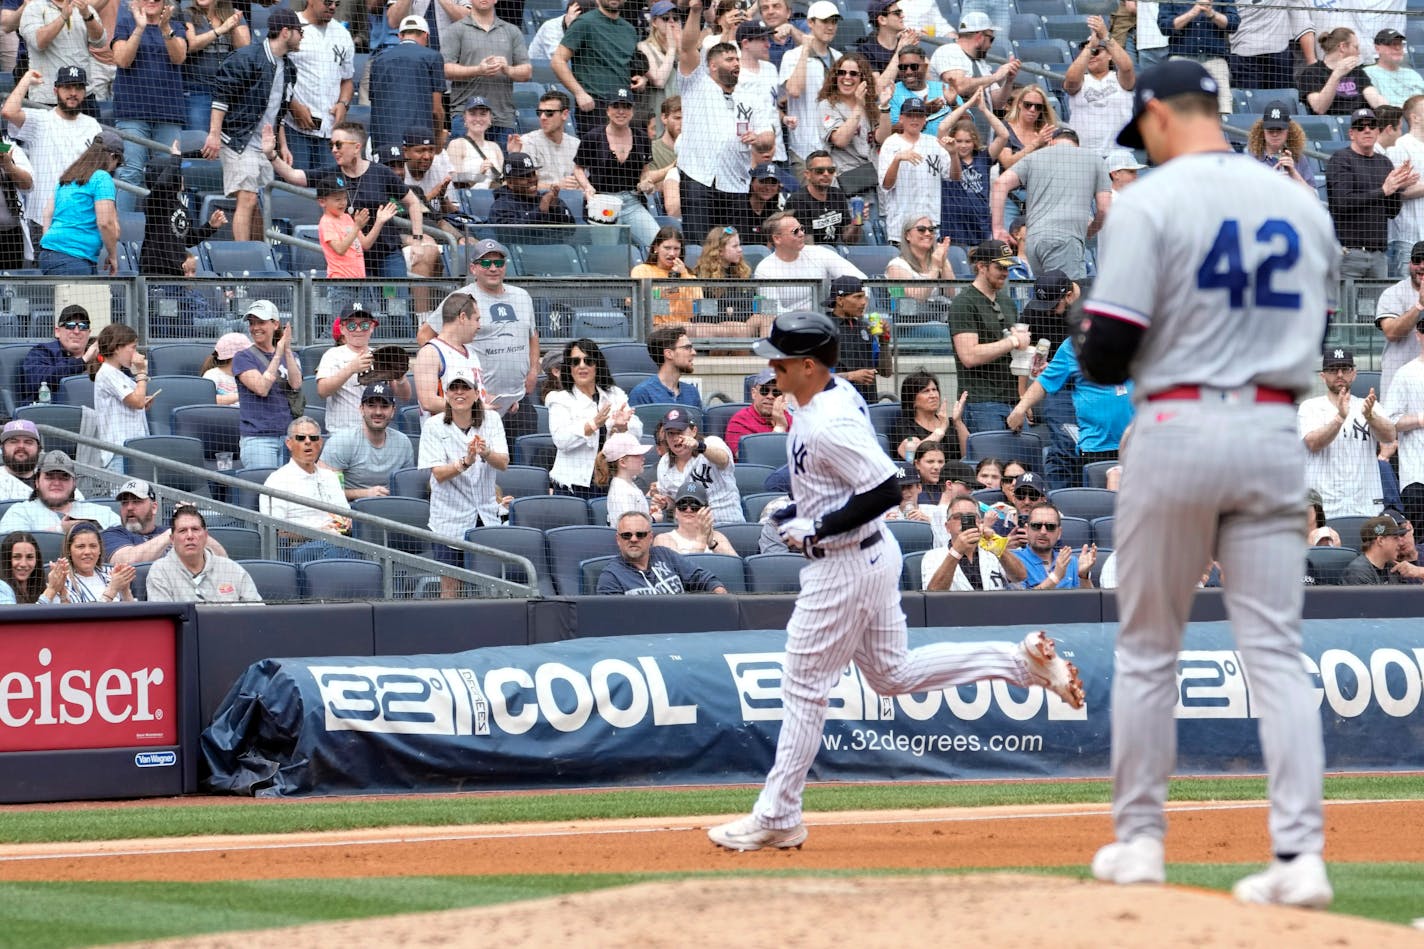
{"x":1230,"y":267}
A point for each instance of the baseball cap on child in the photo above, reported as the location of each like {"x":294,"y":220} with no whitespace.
{"x":1276,"y":117}
{"x":334,"y":183}
{"x":230,"y":344}
{"x":622,"y":444}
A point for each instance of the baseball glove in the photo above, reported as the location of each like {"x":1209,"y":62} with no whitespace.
{"x":388,"y":363}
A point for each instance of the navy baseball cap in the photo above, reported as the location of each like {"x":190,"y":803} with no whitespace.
{"x":378,"y":392}
{"x":1032,"y":482}
{"x":844,"y":287}
{"x":71,"y":76}
{"x":334,"y":183}
{"x":1175,"y":77}
{"x":1360,"y":116}
{"x":391,"y":155}
{"x":914,"y":105}
{"x":676,"y":420}
{"x":662,"y":8}
{"x":1338,"y":358}
{"x":766,"y":171}
{"x":620,"y":97}
{"x":753,"y":31}
{"x":418,"y":137}
{"x":1276,"y":117}
{"x":1052,"y":286}
{"x":519,"y":164}
{"x":907,"y":475}
{"x":283,"y":19}
{"x":478,"y":102}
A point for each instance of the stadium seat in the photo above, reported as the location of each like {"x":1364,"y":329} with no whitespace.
{"x":258,"y":476}
{"x":238,"y":258}
{"x":883,"y":416}
{"x":411,"y":483}
{"x":1365,"y":380}
{"x":179,"y":448}
{"x":1321,"y":127}
{"x":309,"y":357}
{"x":744,"y":538}
{"x":1103,"y":531}
{"x":751,"y":479}
{"x":652,"y":413}
{"x":1258,"y":99}
{"x":296,"y":209}
{"x":171,"y":392}
{"x":178,"y":359}
{"x":958,"y":259}
{"x":589,"y":572}
{"x":598,"y":511}
{"x":600,"y":324}
{"x":1330,"y":563}
{"x":1084,"y":502}
{"x":51,"y":545}
{"x":1095,"y":473}
{"x":413,"y":512}
{"x":67,"y":417}
{"x":11,"y":355}
{"x":911,"y":535}
{"x":536,"y":450}
{"x":241,"y":543}
{"x":870,"y":258}
{"x":546,"y":260}
{"x":910,"y":571}
{"x":1096,"y":573}
{"x":216,"y":426}
{"x":1071,"y":29}
{"x":763,"y":448}
{"x":342,"y":579}
{"x":75,"y":390}
{"x":754,"y":504}
{"x":774,"y":573}
{"x":1045,"y":51}
{"x":476,"y":202}
{"x":728,"y":568}
{"x":1026,"y":27}
{"x":571,"y":546}
{"x":716,"y":417}
{"x":139,"y":585}
{"x":628,"y":381}
{"x":313,"y":397}
{"x":1044,"y":7}
{"x":1076,"y":532}
{"x":523,"y":481}
{"x":1023,"y":447}
{"x":527,"y":542}
{"x":548,"y":511}
{"x":1348,"y":528}
{"x":614,"y":260}
{"x":275,"y":580}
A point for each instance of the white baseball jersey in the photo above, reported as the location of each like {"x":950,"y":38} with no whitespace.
{"x":1408,"y":224}
{"x":709,"y":150}
{"x":832,"y":453}
{"x":1346,"y":471}
{"x":807,"y":136}
{"x":917,"y":187}
{"x":468,"y":499}
{"x":1226,"y":313}
{"x":721,"y":483}
{"x":1406,"y":396}
{"x":1392,"y":303}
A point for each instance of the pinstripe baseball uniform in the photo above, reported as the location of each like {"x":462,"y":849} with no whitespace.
{"x":1346,"y":472}
{"x":849,"y":606}
{"x":1229,"y":270}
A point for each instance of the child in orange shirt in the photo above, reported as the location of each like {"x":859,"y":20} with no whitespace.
{"x":342,"y":236}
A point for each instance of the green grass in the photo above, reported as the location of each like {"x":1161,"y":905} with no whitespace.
{"x":276,"y":817}
{"x":54,"y":915}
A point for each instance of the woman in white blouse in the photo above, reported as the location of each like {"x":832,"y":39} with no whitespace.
{"x":462,"y":448}
{"x":584,"y":410}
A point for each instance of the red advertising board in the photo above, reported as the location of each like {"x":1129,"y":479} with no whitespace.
{"x":107,"y":684}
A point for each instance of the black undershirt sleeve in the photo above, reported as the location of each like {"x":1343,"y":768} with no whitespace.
{"x":861,"y":509}
{"x":1105,"y":347}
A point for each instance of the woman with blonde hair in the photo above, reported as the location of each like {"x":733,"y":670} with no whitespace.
{"x":1029,"y":122}
{"x":660,"y":48}
{"x":722,"y":259}
{"x":923,"y":256}
{"x":1278,"y":141}
{"x":854,"y":124}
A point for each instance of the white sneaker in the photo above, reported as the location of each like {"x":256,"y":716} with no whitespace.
{"x":1046,"y":668}
{"x":746,"y":833}
{"x":1139,"y":860}
{"x":1301,"y":882}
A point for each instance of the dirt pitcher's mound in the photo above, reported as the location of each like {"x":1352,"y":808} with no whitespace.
{"x":998,"y":910}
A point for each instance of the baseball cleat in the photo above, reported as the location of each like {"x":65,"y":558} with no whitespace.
{"x":746,"y":833}
{"x":1300,"y":882}
{"x":1139,"y":860}
{"x":1046,"y":668}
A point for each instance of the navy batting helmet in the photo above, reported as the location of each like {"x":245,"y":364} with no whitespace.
{"x":801,"y":333}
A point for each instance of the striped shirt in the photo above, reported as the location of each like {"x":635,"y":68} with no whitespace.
{"x":117,"y":422}
{"x":466,"y":500}
{"x":327,"y":57}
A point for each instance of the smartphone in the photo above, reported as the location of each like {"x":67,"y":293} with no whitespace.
{"x":154,"y":394}
{"x":968,"y":522}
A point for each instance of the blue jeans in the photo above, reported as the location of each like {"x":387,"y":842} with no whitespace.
{"x":136,"y":156}
{"x":987,"y":416}
{"x":200,"y":110}
{"x":263,"y":451}
{"x":394,"y":266}
{"x":57,"y":264}
{"x":315,"y":550}
{"x":1399,"y":259}
{"x":310,"y":152}
{"x":1061,"y":460}
{"x":634,"y":213}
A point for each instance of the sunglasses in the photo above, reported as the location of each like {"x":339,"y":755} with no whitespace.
{"x":851,"y":73}
{"x":633,"y":535}
{"x":1026,"y":494}
{"x":306,"y":438}
{"x":75,"y":325}
{"x":912,"y":67}
{"x":582,"y":361}
{"x":1036,"y":106}
{"x":547,"y":112}
{"x":1042,"y":526}
{"x":337,"y":146}
{"x":690,"y":504}
{"x":926,"y":228}
{"x":1365,"y":125}
{"x":770,"y":390}
{"x":795,"y":230}
{"x":823,"y":170}
{"x":362,"y":326}
{"x":490,"y":263}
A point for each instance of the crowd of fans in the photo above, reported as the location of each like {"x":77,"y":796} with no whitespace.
{"x":746,"y":126}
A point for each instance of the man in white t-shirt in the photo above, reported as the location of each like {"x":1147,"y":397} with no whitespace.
{"x":1099,"y":84}
{"x":961,"y":65}
{"x":552,"y":148}
{"x":1407,"y":227}
{"x":1396,"y":314}
{"x":803,"y":70}
{"x":303,"y":476}
{"x":53,"y":137}
{"x":1404,"y":405}
{"x":1342,"y":433}
{"x":792,"y":258}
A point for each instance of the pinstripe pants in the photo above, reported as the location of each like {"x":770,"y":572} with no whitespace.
{"x":1209,"y":480}
{"x":849,"y":610}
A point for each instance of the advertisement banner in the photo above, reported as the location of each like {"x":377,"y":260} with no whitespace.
{"x":700,"y":708}
{"x":68,"y":686}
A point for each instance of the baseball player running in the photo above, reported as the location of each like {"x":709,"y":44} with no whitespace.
{"x":849,"y":606}
{"x":1213,"y":295}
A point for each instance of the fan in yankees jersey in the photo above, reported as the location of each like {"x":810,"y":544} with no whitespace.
{"x":706,"y":460}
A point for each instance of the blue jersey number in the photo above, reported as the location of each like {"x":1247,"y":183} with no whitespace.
{"x":1223,"y":268}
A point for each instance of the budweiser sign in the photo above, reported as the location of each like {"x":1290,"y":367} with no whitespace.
{"x":112,"y":684}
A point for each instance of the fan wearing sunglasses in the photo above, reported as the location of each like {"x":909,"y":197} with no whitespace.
{"x":642,"y":569}
{"x":912,"y":79}
{"x":1099,"y":84}
{"x":1051,"y":564}
{"x":822,"y":204}
{"x":54,"y":359}
{"x":695,"y":532}
{"x":803,"y":73}
{"x":767,"y":413}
